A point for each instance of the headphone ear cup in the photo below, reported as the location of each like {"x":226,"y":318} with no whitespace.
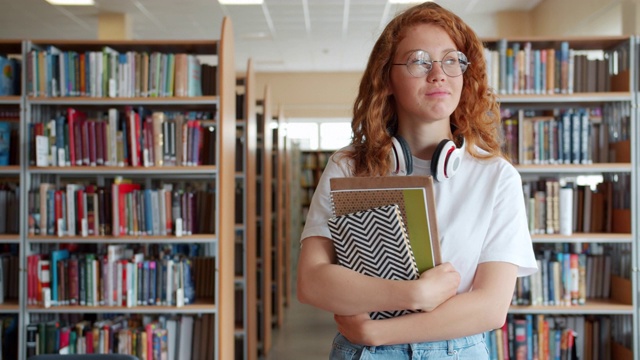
{"x":446,"y":159}
{"x":439,"y":159}
{"x":403,"y":157}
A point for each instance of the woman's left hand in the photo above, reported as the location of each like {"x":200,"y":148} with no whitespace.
{"x":356,"y":328}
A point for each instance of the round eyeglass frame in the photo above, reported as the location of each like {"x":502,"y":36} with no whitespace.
{"x":462,"y":59}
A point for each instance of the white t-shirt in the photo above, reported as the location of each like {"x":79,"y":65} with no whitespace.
{"x":480,"y":213}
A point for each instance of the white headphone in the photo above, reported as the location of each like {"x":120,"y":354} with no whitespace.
{"x":445,"y":161}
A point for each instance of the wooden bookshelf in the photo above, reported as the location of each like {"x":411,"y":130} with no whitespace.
{"x":592,"y":307}
{"x":287,"y":189}
{"x":246,"y":330}
{"x":604,"y":100}
{"x":218,"y":302}
{"x":10,"y":306}
{"x":266,"y":199}
{"x":11,"y":108}
{"x":312,"y":163}
{"x":280,"y":223}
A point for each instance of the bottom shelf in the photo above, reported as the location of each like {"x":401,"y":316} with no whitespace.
{"x":563,"y":336}
{"x":144,"y":336}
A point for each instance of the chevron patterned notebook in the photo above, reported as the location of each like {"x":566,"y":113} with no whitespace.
{"x":374,"y":242}
{"x":415,"y":198}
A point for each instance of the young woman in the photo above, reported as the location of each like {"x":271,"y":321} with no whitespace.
{"x":425,"y":82}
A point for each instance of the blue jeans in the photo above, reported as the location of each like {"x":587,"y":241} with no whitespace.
{"x":466,"y":348}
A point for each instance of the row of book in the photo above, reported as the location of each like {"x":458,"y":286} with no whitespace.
{"x":9,"y":202}
{"x":8,"y":143}
{"x":548,"y":139}
{"x":9,"y":137}
{"x":306,"y":194}
{"x":9,"y":282}
{"x":547,"y":337}
{"x":579,"y":208}
{"x":9,"y":330}
{"x":565,"y":279}
{"x":120,"y":209}
{"x":118,"y":278}
{"x":315,"y":159}
{"x":308,"y":177}
{"x":183,"y":337}
{"x":568,"y":136}
{"x":137,"y":137}
{"x":10,"y":75}
{"x":109,"y":73}
{"x":518,"y":68}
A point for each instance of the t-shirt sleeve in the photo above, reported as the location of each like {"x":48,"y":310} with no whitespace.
{"x":508,"y":238}
{"x":320,"y":209}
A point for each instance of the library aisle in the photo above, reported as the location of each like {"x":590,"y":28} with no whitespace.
{"x":306,"y":333}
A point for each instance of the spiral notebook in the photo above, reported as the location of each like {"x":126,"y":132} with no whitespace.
{"x":415,"y":198}
{"x":374,"y":242}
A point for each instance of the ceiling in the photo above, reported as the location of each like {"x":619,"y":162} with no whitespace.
{"x":280,"y":35}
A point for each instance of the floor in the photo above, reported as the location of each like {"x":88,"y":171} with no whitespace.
{"x":306,"y":334}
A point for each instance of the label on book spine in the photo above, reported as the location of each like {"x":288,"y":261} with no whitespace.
{"x":46,"y":297}
{"x":85,"y":227}
{"x":566,"y":210}
{"x":178,"y":227}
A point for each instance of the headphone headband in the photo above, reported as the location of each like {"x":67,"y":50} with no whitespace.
{"x":445,"y":162}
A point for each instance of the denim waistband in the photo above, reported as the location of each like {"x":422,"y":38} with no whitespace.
{"x":458,"y":343}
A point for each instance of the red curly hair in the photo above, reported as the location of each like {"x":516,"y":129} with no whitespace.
{"x":477,"y":117}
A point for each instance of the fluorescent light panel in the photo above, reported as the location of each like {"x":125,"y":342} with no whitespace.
{"x":240,"y":2}
{"x":71,"y":2}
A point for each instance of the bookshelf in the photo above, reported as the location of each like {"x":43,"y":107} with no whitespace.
{"x":598,"y":92}
{"x":202,"y":181}
{"x":287,"y":216}
{"x":312,"y":163}
{"x":246,"y":333}
{"x":294,"y":214}
{"x":265,"y":223}
{"x":11,"y":177}
{"x":279,"y":219}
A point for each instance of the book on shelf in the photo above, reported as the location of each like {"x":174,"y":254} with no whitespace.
{"x":137,"y":137}
{"x":52,"y":72}
{"x":90,"y":210}
{"x":5,"y":142}
{"x":157,"y":337}
{"x":116,"y":279}
{"x":374,"y":242}
{"x":416,"y":201}
{"x":524,"y":67}
{"x":9,"y":75}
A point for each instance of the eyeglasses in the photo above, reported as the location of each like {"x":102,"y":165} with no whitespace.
{"x":454,"y":63}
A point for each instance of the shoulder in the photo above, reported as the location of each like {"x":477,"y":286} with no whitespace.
{"x":340,"y":163}
{"x":494,"y":169}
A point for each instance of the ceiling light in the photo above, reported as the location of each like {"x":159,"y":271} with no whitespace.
{"x":240,"y":2}
{"x":71,"y":2}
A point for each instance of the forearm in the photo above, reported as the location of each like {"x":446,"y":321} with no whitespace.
{"x":342,"y":291}
{"x":462,"y":315}
{"x":482,"y":309}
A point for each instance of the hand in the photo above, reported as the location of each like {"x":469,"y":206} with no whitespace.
{"x":356,"y":328}
{"x":436,"y":286}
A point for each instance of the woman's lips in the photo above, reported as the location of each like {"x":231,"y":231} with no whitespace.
{"x":438,"y":93}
